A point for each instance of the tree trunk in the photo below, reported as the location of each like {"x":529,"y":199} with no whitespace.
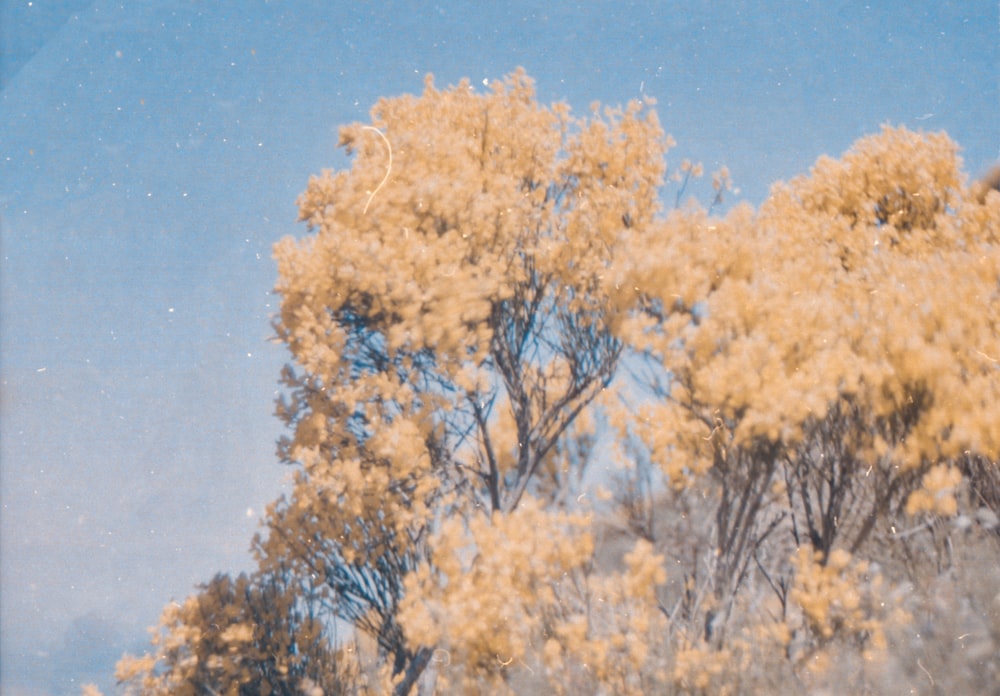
{"x":416,"y":667}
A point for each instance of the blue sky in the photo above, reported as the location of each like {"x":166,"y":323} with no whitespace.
{"x":151,"y":153}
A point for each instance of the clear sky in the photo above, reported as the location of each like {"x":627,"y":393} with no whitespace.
{"x":151,"y":153}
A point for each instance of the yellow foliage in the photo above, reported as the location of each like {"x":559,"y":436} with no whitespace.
{"x":231,"y":635}
{"x":449,"y":316}
{"x":842,"y":598}
{"x":500,"y":613}
{"x":645,"y":572}
{"x":937,"y":492}
{"x":696,"y":667}
{"x":457,"y":312}
{"x":873,"y":280}
{"x":483,"y":606}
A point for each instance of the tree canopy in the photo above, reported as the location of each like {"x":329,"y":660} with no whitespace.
{"x":549,"y":434}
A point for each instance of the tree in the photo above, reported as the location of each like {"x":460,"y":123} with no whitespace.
{"x":837,"y":347}
{"x":248,"y":636}
{"x":450,"y":318}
